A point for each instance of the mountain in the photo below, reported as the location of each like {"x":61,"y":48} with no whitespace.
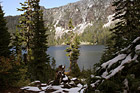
{"x":85,"y":14}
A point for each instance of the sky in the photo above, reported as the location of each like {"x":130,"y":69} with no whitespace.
{"x":10,"y":6}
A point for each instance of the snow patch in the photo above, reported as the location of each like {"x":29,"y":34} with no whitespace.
{"x":127,"y":60}
{"x":137,"y":47}
{"x":111,"y":21}
{"x":78,"y":29}
{"x":94,"y":84}
{"x":112,"y":61}
{"x":90,"y":5}
{"x":104,"y":74}
{"x":71,"y":90}
{"x":30,"y":88}
{"x":73,"y":79}
{"x":116,"y":70}
{"x":81,"y":27}
{"x":65,"y":78}
{"x":110,"y":18}
{"x":138,"y":38}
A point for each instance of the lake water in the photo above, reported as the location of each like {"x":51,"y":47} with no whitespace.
{"x":89,"y":55}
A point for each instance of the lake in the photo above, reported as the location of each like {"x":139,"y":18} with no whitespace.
{"x":89,"y":55}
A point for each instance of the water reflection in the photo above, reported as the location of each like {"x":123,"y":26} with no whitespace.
{"x":89,"y":55}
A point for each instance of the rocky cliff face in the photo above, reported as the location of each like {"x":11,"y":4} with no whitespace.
{"x":83,"y":13}
{"x":80,"y":12}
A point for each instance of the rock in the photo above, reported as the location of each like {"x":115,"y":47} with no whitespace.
{"x":83,"y":11}
{"x":67,"y":86}
{"x":72,"y":83}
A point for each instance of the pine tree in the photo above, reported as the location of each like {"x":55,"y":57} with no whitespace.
{"x":25,"y":25}
{"x":41,"y":61}
{"x":53,"y":64}
{"x":17,"y":45}
{"x":126,"y":30}
{"x":24,"y":36}
{"x":73,"y":52}
{"x":4,"y":36}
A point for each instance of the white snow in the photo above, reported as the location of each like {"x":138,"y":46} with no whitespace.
{"x":59,"y":32}
{"x":77,"y":9}
{"x":123,"y":59}
{"x":92,"y":76}
{"x":126,"y":48}
{"x":110,"y":18}
{"x":138,"y":38}
{"x":31,"y":88}
{"x":114,"y":60}
{"x":72,"y":82}
{"x":79,"y":85}
{"x":74,"y":79}
{"x":104,"y":74}
{"x":127,"y":60}
{"x":65,"y":78}
{"x":77,"y":29}
{"x":81,"y":27}
{"x":135,"y":58}
{"x":44,"y":88}
{"x":126,"y":83}
{"x":71,"y":90}
{"x":90,"y":5}
{"x":111,"y":21}
{"x":43,"y":84}
{"x":56,"y":23}
{"x":137,"y":47}
{"x":93,"y":84}
{"x":116,"y":70}
{"x":37,"y":81}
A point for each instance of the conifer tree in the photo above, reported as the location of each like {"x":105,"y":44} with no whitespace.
{"x":53,"y":64}
{"x":17,"y":45}
{"x":4,"y":36}
{"x":33,"y":33}
{"x":41,"y":61}
{"x":73,"y":51}
{"x":25,"y":25}
{"x":126,"y":30}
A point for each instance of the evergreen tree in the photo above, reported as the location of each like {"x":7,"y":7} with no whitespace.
{"x":126,"y":30}
{"x":4,"y":36}
{"x":41,"y":61}
{"x":26,"y":24}
{"x":17,"y":45}
{"x":53,"y":64}
{"x":20,"y":70}
{"x":25,"y":35}
{"x":73,"y":52}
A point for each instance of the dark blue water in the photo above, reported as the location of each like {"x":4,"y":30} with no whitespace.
{"x":89,"y":55}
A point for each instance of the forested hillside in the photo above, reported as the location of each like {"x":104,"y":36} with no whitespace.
{"x":87,"y":16}
{"x":27,"y":67}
